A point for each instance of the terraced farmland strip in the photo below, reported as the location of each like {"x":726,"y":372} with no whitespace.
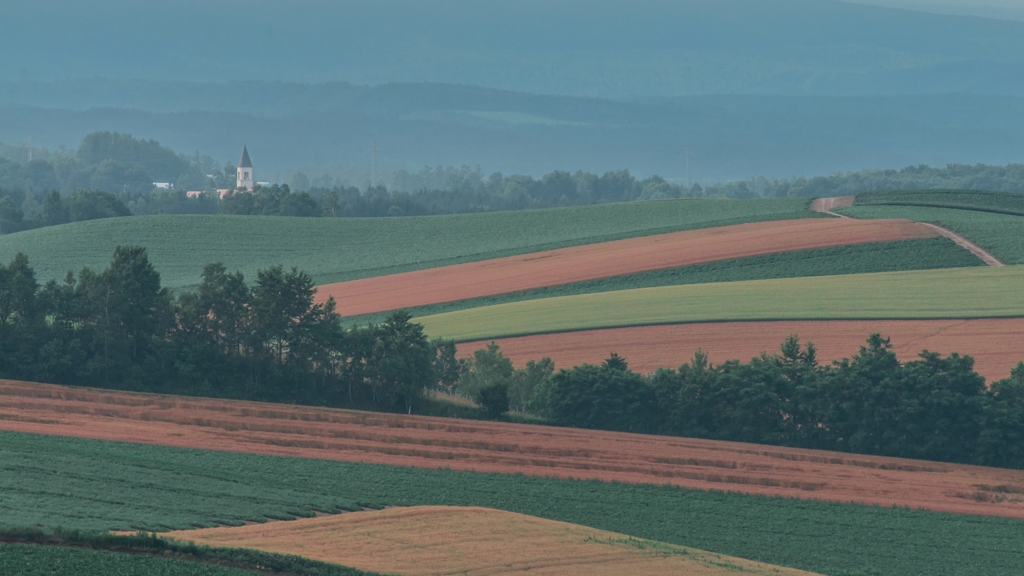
{"x":923,"y":254}
{"x":995,"y":344}
{"x":339,"y":249}
{"x":926,"y":294}
{"x":92,"y":484}
{"x":594,"y":261}
{"x":475,"y":541}
{"x":1000,"y":234}
{"x":497,"y":447}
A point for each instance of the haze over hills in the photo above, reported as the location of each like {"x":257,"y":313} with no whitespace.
{"x":999,"y":9}
{"x":294,"y":126}
{"x":569,"y":47}
{"x":778,"y":88}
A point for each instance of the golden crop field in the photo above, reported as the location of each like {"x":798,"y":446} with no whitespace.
{"x":429,"y":540}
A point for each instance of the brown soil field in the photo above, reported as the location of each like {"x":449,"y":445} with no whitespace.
{"x":427,"y":442}
{"x":995,"y":344}
{"x":593,"y":261}
{"x":436,"y":540}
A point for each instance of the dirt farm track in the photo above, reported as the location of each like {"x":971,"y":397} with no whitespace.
{"x":994,"y":343}
{"x":427,"y":442}
{"x":605,"y":259}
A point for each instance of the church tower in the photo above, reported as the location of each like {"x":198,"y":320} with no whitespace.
{"x":244,"y":177}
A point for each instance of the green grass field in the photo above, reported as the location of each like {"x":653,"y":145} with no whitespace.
{"x":977,"y":292}
{"x":34,"y":560}
{"x":90,"y":484}
{"x":1001,"y":234}
{"x":922,"y":254}
{"x":999,"y":202}
{"x":336,"y":249}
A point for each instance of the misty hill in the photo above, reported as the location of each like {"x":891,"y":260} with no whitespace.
{"x":598,"y":48}
{"x":295,"y":126}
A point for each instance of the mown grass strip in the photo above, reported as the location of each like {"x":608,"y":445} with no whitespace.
{"x":338,"y":249}
{"x":978,"y":292}
{"x":97,"y":485}
{"x":922,"y":254}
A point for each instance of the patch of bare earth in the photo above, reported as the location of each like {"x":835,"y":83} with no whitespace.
{"x":426,"y":442}
{"x":436,"y":540}
{"x":994,"y":343}
{"x":602,"y":260}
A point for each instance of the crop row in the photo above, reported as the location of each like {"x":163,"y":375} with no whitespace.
{"x":978,"y":292}
{"x":34,"y":560}
{"x":105,"y":485}
{"x":1000,"y":234}
{"x":337,"y":249}
{"x":998,"y":202}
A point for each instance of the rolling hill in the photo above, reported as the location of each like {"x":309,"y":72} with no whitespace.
{"x":336,"y":249}
{"x":89,"y":484}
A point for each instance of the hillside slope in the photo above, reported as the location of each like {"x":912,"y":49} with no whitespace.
{"x":337,"y":249}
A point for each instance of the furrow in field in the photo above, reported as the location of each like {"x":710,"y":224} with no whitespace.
{"x":429,"y":540}
{"x":917,"y":295}
{"x":426,"y":442}
{"x":602,"y":260}
{"x":994,"y":343}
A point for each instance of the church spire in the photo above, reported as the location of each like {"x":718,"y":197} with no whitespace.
{"x":244,"y":162}
{"x":244,"y":178}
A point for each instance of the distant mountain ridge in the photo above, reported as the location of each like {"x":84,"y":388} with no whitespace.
{"x":290,"y":126}
{"x":599,"y":48}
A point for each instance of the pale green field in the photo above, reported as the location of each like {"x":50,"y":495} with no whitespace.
{"x":980,"y":292}
{"x":337,"y":249}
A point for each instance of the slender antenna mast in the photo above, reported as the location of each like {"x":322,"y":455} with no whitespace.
{"x":373,"y":162}
{"x":29,"y":148}
{"x":688,"y":166}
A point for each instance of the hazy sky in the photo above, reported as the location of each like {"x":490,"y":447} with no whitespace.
{"x":1002,"y":9}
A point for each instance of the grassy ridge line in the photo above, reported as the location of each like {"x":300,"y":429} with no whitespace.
{"x":339,"y":249}
{"x":978,"y":292}
{"x":1001,"y":235}
{"x":921,"y":254}
{"x":90,"y":484}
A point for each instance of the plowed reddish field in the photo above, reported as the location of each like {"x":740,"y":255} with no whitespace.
{"x":500,"y":447}
{"x":593,"y":261}
{"x":996,"y":344}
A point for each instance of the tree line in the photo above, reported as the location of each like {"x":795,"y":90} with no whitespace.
{"x":931,"y":408}
{"x":268,"y":340}
{"x":112,"y":174}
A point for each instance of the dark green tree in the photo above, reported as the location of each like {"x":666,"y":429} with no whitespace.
{"x":493,"y":400}
{"x":447,"y":367}
{"x":402,"y":365}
